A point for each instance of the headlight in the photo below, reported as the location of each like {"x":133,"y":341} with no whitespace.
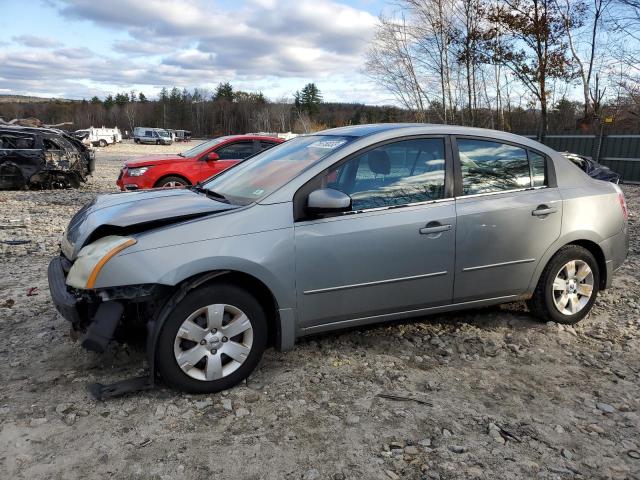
{"x":93,"y":257}
{"x":136,"y":172}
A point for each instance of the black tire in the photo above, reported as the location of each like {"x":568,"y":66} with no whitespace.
{"x":157,"y":142}
{"x":102,"y":143}
{"x":166,"y":363}
{"x":180,"y":182}
{"x":542,"y":303}
{"x":135,"y":140}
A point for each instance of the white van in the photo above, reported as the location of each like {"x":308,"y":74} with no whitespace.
{"x":157,"y":136}
{"x":99,"y":137}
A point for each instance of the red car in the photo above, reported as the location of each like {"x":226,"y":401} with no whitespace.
{"x":192,"y":166}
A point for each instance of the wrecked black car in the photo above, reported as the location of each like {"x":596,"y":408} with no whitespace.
{"x":593,"y":168}
{"x":32,"y":157}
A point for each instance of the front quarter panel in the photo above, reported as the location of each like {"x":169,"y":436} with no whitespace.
{"x":257,"y":241}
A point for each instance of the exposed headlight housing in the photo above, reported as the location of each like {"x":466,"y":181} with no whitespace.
{"x":93,"y":257}
{"x":136,"y":172}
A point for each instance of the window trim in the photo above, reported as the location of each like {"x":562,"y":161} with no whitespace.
{"x":457,"y":166}
{"x":299,"y":198}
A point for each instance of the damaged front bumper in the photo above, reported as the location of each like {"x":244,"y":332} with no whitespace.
{"x":98,"y":314}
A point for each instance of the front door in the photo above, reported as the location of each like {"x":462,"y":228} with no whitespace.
{"x":230,"y":154}
{"x":394,"y":252}
{"x":508,"y":216}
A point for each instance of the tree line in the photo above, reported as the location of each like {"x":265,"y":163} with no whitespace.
{"x":525,"y":66}
{"x":572,"y":63}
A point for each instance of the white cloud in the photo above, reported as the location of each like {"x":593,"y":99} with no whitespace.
{"x":35,"y":41}
{"x":191,"y":43}
{"x":260,"y":35}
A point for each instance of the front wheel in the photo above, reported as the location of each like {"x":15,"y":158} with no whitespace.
{"x":212,"y":340}
{"x":568,"y":286}
{"x":102,"y":143}
{"x":171,"y":182}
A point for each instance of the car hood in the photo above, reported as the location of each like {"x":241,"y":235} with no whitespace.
{"x":147,"y":160}
{"x":134,"y":212}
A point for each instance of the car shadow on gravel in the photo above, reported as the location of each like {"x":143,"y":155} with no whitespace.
{"x":512,"y":316}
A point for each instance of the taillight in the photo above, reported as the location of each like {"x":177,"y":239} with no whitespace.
{"x":623,"y":205}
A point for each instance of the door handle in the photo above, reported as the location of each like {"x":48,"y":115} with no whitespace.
{"x":434,"y":227}
{"x":543,"y":210}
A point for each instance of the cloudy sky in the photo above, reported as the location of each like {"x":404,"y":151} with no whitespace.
{"x":81,"y":48}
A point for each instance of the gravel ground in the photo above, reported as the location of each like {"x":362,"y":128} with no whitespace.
{"x":489,"y":393}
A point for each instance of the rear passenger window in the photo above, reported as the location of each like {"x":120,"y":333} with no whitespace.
{"x":400,"y":173}
{"x":492,"y":166}
{"x":538,"y":169}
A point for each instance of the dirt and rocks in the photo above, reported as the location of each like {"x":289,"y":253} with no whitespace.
{"x":488,"y":394}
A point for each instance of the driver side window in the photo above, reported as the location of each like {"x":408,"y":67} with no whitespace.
{"x":399,"y":173}
{"x":235,"y":151}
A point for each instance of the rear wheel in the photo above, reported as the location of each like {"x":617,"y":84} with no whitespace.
{"x":172,"y":182}
{"x":102,"y":143}
{"x":212,"y":340}
{"x":568,"y":286}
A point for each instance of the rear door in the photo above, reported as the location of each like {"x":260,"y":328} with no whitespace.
{"x":394,"y":252}
{"x":509,"y":212}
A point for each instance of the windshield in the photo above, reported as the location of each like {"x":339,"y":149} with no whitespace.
{"x":203,"y":147}
{"x":265,"y":173}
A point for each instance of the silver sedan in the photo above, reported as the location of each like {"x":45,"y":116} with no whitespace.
{"x":341,"y":228}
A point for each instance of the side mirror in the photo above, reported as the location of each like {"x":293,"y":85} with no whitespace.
{"x":212,"y":157}
{"x":328,"y":200}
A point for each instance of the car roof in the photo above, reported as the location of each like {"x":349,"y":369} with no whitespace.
{"x":419,"y":128}
{"x":369,"y":129}
{"x":251,"y":137}
{"x":20,"y":128}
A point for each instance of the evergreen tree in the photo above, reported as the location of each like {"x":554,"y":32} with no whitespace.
{"x":122,"y":99}
{"x":109,"y":102}
{"x":224,"y":91}
{"x":309,"y":99}
{"x":164,"y":94}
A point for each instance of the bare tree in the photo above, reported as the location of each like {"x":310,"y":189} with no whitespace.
{"x":281,"y":110}
{"x":433,"y":31}
{"x":534,"y":48}
{"x":574,"y":15}
{"x":130,"y":110}
{"x":391,"y":62}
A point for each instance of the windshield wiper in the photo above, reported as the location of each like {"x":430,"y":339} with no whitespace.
{"x":210,"y":193}
{"x":181,"y":154}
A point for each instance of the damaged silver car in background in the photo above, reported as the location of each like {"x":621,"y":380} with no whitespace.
{"x":33,"y":157}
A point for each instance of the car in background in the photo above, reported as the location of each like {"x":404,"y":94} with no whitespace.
{"x":181,"y":135}
{"x":192,"y":166}
{"x":154,"y":136}
{"x":593,"y":168}
{"x":99,"y":137}
{"x":32,"y":157}
{"x":337,"y":229}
